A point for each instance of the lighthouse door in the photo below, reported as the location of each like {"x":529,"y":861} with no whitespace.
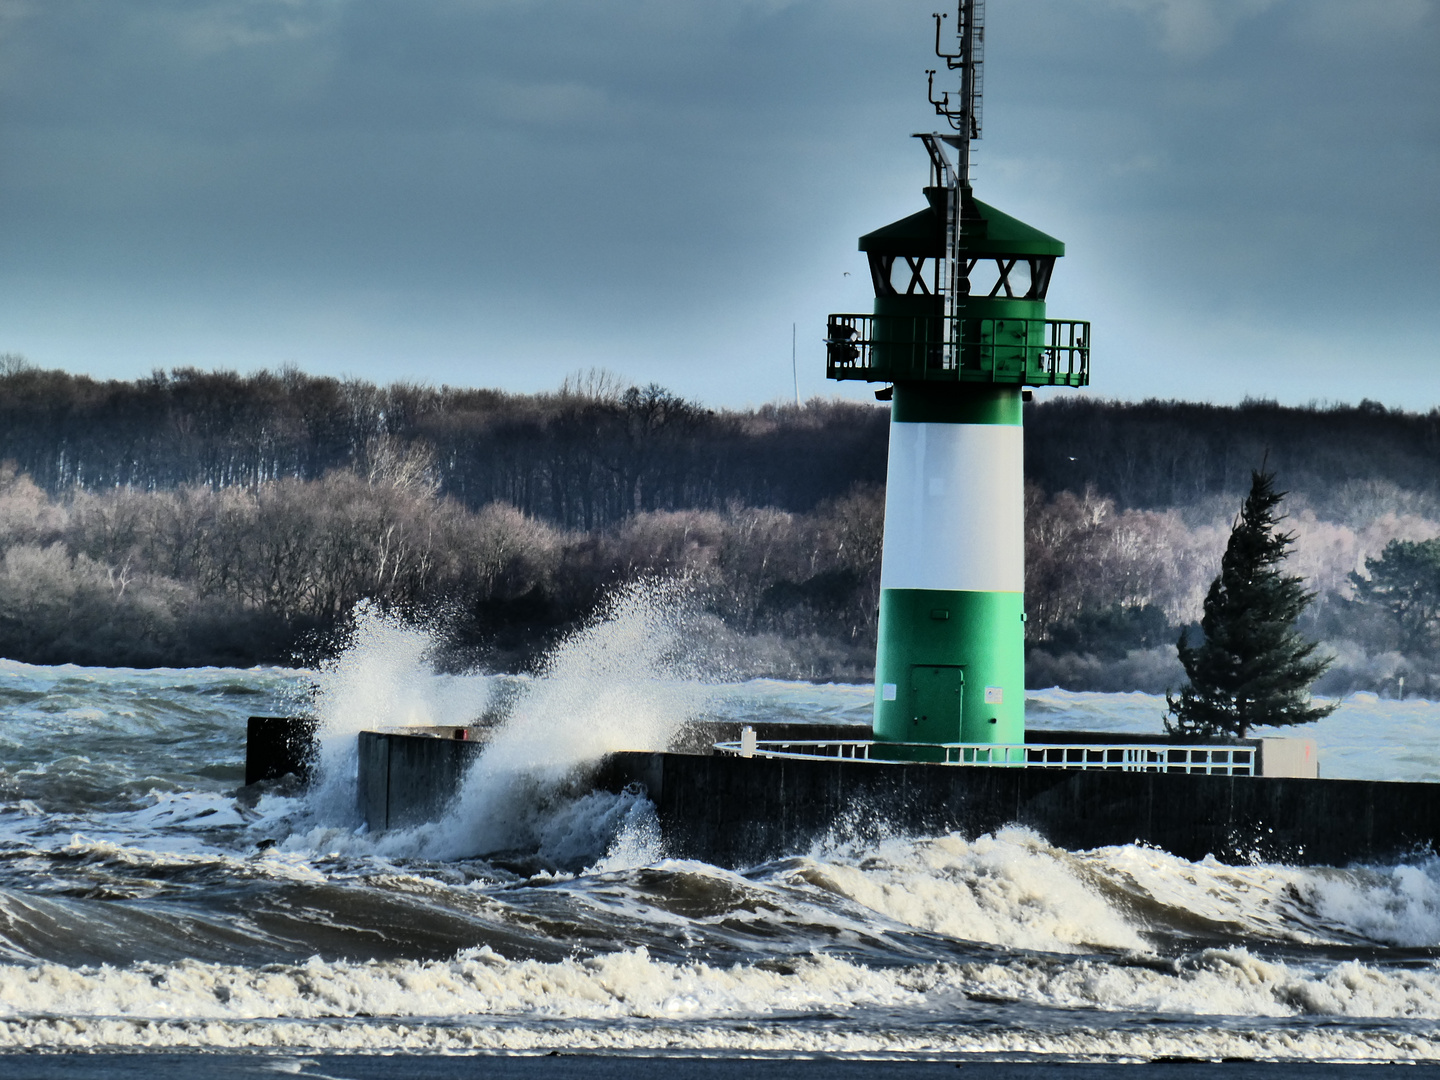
{"x":937,"y":692}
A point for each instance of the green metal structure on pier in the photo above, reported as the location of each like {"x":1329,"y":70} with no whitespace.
{"x":958,"y":332}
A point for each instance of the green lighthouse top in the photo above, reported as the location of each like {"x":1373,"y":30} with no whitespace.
{"x":984,"y":231}
{"x":959,"y":286}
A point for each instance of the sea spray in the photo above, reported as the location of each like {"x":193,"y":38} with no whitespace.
{"x":381,"y":678}
{"x":630,"y":680}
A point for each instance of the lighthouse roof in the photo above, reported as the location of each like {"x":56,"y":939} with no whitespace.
{"x":987,"y":231}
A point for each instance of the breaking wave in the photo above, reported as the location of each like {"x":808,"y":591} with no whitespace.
{"x":143,"y":905}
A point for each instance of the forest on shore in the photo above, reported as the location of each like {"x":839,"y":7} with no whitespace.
{"x":213,"y":518}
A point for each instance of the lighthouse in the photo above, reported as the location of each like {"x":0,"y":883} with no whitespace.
{"x":957,"y":335}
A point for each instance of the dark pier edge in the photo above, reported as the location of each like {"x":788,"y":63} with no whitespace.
{"x":277,"y":746}
{"x":737,"y":812}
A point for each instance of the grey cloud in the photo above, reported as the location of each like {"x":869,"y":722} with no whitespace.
{"x":499,"y":192}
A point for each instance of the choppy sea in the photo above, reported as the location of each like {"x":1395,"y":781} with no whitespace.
{"x":144,"y":904}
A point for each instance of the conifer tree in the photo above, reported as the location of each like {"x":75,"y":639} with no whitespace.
{"x":1405,"y":582}
{"x":1253,"y":668}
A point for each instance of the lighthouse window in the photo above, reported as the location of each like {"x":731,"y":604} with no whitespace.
{"x":1008,"y":278}
{"x":1016,"y":278}
{"x":904,"y":275}
{"x":908,"y":275}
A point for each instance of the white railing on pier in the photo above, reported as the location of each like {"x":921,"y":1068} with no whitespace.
{"x":1124,"y":757}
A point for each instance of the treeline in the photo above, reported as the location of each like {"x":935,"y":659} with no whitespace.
{"x":212,"y":518}
{"x":587,"y":456}
{"x":254,"y":574}
{"x":1348,"y":463}
{"x":596,"y":451}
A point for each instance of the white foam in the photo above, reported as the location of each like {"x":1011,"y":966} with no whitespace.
{"x":629,"y":1000}
{"x":1395,"y":905}
{"x":776,"y":1037}
{"x":1219,"y":982}
{"x":628,"y":681}
{"x":615,"y":985}
{"x":1015,"y":890}
{"x":1010,"y":889}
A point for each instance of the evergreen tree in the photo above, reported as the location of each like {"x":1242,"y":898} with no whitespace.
{"x":1252,"y":668}
{"x":1405,"y":582}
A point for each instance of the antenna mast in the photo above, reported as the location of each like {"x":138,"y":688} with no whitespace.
{"x":952,"y":277}
{"x":963,"y":116}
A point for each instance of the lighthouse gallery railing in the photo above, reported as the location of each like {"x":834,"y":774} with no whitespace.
{"x":884,"y":348}
{"x":1124,"y":757}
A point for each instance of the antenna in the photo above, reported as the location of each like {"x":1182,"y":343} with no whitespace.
{"x":964,"y":115}
{"x":794,"y":371}
{"x":952,"y":277}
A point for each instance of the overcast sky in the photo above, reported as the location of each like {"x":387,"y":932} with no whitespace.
{"x":498,"y":192}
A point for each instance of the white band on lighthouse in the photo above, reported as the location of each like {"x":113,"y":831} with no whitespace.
{"x":955,"y":508}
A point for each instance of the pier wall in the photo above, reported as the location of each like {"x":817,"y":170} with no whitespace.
{"x":739,"y":811}
{"x":407,"y":779}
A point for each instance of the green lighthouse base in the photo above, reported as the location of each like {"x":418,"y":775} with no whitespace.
{"x":923,"y":694}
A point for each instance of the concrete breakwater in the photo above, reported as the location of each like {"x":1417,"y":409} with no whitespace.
{"x":736,"y":811}
{"x":409,"y":776}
